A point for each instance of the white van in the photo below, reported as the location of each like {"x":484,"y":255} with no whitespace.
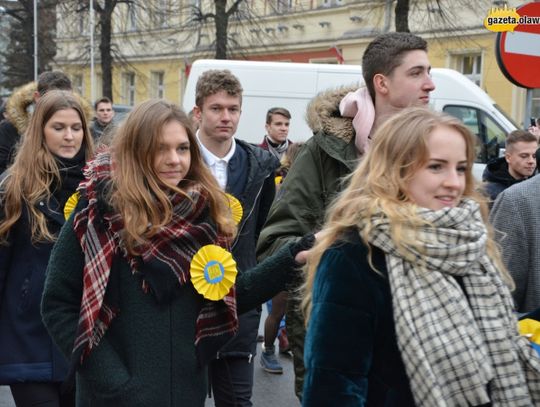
{"x":293,"y":85}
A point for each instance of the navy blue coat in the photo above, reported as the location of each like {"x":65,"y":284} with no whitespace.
{"x":351,"y":353}
{"x":251,"y":180}
{"x":27,"y":353}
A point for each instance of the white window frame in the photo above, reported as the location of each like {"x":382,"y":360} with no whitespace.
{"x":128,"y":88}
{"x":477,"y":64}
{"x":157,"y":84}
{"x":131,"y":17}
{"x":163,"y":13}
{"x":331,"y":3}
{"x":283,"y":6}
{"x":78,"y":83}
{"x":535,"y":104}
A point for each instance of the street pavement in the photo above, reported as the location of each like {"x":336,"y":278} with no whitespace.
{"x":5,"y":397}
{"x":270,"y":390}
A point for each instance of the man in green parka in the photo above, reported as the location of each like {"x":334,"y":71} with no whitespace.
{"x":396,"y":71}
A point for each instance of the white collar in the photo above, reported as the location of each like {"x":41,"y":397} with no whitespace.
{"x":210,"y":158}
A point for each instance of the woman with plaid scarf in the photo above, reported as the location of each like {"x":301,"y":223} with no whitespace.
{"x":407,"y":300}
{"x":120,"y":297}
{"x":34,"y":193}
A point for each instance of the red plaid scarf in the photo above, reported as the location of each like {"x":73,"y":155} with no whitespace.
{"x":99,"y":231}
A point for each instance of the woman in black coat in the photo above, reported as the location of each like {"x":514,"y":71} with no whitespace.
{"x":34,"y":193}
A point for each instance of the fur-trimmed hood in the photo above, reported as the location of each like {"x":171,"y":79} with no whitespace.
{"x":322,"y":114}
{"x":18,"y":112}
{"x":17,"y":106}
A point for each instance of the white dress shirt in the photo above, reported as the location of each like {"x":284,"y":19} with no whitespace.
{"x":217,"y":165}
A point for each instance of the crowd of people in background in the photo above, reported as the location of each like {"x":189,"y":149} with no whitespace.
{"x":136,"y":254}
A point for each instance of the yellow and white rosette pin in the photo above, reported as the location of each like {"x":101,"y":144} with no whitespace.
{"x":236,"y":208}
{"x":213,"y":272}
{"x":530,"y":328}
{"x":71,"y":203}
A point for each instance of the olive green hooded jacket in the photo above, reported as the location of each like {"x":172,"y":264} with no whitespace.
{"x":315,"y":176}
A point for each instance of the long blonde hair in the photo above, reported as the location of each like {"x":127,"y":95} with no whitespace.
{"x":378,"y":184}
{"x":29,"y":180}
{"x":136,"y":191}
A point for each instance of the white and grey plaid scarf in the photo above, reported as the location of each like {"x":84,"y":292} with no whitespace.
{"x":458,"y":350}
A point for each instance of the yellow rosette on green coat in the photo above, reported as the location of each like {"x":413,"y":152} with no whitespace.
{"x":213,"y":272}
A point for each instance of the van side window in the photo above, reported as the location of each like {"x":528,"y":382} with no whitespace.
{"x":490,"y":136}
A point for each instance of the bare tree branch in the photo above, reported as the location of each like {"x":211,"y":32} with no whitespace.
{"x":18,"y":64}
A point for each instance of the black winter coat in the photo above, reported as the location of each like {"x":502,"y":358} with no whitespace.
{"x":27,"y":353}
{"x":9,"y":137}
{"x":251,"y":180}
{"x":497,"y":177}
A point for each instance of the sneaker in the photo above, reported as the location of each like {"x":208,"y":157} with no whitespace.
{"x":269,"y":362}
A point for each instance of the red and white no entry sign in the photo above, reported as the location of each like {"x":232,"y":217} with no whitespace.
{"x":518,"y":52}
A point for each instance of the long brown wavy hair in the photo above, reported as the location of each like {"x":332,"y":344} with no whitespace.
{"x":379,"y":184}
{"x":34,"y":171}
{"x":136,"y":191}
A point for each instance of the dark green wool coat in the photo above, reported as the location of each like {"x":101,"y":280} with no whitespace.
{"x":147,"y":356}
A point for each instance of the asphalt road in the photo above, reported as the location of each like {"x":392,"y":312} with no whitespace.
{"x":270,"y":390}
{"x":5,"y":397}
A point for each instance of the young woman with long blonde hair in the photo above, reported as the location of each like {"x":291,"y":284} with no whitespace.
{"x":141,"y":291}
{"x":33,"y":194}
{"x":407,"y":300}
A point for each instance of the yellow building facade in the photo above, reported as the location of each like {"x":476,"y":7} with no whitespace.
{"x":158,"y":53}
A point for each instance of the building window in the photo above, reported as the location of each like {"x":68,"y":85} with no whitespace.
{"x":82,"y":24}
{"x":99,"y":85}
{"x":243,"y":10}
{"x":283,"y":6}
{"x":535,"y":106}
{"x":333,"y":61}
{"x":471,"y":67}
{"x":157,"y":88}
{"x":161,"y":14}
{"x":132,"y":17}
{"x":330,"y":3}
{"x":192,"y":8}
{"x":128,"y":88}
{"x":78,"y":84}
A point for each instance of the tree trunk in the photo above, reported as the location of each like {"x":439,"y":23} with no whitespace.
{"x":105,"y":22}
{"x":222,"y":23}
{"x":402,"y":16}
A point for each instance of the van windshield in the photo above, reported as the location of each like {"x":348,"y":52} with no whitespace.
{"x":496,"y":106}
{"x":490,"y":135}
